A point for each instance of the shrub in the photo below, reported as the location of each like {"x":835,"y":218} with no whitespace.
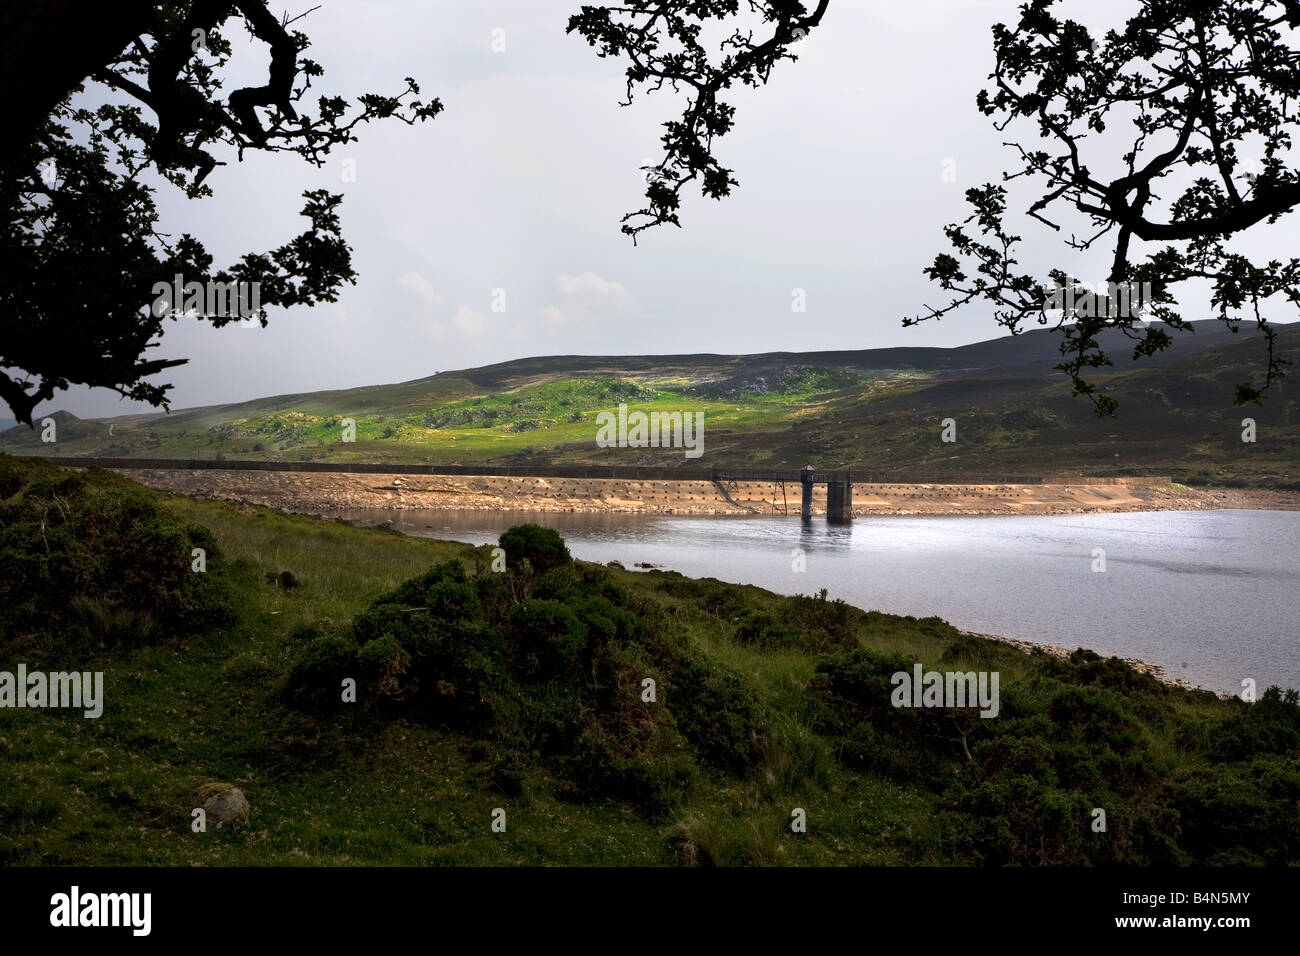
{"x":550,"y":636}
{"x":90,"y":560}
{"x":552,"y":671}
{"x":710,"y":595}
{"x":1088,"y":668}
{"x":381,"y":665}
{"x":1240,"y":814}
{"x":825,"y":625}
{"x":717,"y":713}
{"x":853,"y":706}
{"x":765,"y":630}
{"x":542,"y":548}
{"x":1020,"y":820}
{"x":1271,"y":725}
{"x":653,"y":771}
{"x":315,"y":680}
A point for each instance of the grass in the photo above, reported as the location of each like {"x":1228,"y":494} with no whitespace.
{"x":869,"y":411}
{"x":1175,"y":419}
{"x":208,"y":707}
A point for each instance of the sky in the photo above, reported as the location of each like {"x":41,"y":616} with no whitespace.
{"x":850,"y":163}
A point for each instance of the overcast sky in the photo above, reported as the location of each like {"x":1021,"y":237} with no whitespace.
{"x":519,"y":185}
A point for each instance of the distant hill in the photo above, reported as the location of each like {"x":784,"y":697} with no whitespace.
{"x":870,"y":410}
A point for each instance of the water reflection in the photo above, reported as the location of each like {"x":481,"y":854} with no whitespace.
{"x":1213,"y":597}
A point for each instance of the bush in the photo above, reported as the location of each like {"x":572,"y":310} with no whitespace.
{"x":1271,"y":725}
{"x":1022,"y":821}
{"x":654,"y":774}
{"x":853,"y":705}
{"x":1087,"y":668}
{"x":824,"y":625}
{"x":381,"y":665}
{"x":552,"y":671}
{"x":315,"y":680}
{"x":717,"y":713}
{"x":542,"y":548}
{"x":1240,"y":814}
{"x":550,"y":637}
{"x":92,"y":560}
{"x":710,"y":595}
{"x":766,"y":631}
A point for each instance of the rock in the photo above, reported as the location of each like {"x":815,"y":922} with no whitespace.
{"x":222,"y":802}
{"x":615,"y":564}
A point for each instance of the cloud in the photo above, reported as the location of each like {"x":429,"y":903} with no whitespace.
{"x":585,"y":297}
{"x":469,"y":321}
{"x":466,"y":325}
{"x":418,"y":285}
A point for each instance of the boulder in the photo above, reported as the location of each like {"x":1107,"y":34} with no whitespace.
{"x":222,"y":802}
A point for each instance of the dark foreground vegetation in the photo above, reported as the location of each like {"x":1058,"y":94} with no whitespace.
{"x":526,"y":689}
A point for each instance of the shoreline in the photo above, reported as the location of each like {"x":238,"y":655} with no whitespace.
{"x":329,"y":494}
{"x":1054,"y":650}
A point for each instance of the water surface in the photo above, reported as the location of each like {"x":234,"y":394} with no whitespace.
{"x":1211,"y":596}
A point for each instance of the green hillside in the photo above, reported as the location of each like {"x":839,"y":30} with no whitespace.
{"x":523,"y":689}
{"x":874,"y":410}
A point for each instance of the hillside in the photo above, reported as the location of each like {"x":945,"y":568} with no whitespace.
{"x":871,"y":410}
{"x":522,"y":689}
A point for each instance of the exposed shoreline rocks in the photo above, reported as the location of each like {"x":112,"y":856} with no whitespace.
{"x":330,"y":494}
{"x":1143,"y":667}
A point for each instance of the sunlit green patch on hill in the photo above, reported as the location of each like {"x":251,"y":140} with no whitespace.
{"x":552,"y":418}
{"x":875,"y":411}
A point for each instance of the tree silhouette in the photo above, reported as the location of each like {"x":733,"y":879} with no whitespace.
{"x":81,"y":247}
{"x":661,"y":41}
{"x":1206,"y":88}
{"x":1191,"y":108}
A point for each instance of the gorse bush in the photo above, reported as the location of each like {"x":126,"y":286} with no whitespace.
{"x":92,"y":560}
{"x":1074,"y":740}
{"x":726,"y":601}
{"x":549,"y":659}
{"x":766,"y":630}
{"x":1269,"y":726}
{"x":542,"y":548}
{"x":1069,"y":751}
{"x":853,"y":707}
{"x":1239,"y":814}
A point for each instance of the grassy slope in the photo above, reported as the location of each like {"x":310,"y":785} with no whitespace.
{"x":114,"y":790}
{"x":871,"y":410}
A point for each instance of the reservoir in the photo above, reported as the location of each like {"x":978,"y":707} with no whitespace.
{"x":1212,"y":597}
